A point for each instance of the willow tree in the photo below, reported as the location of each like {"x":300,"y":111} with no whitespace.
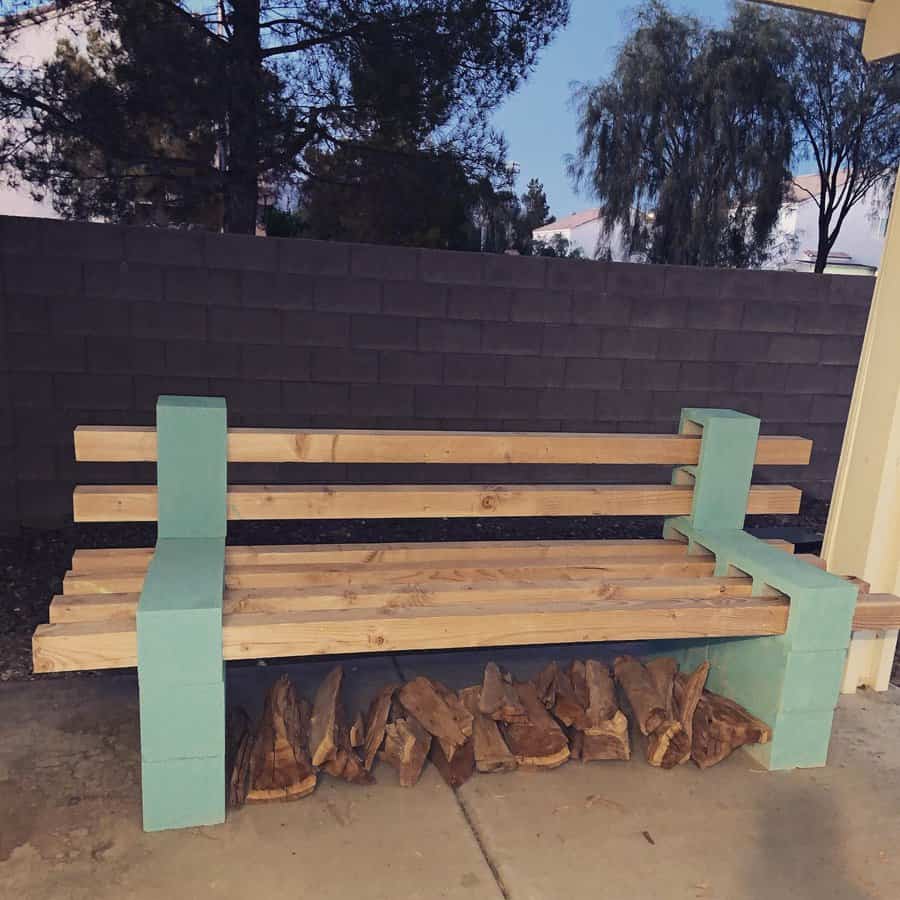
{"x":687,"y":143}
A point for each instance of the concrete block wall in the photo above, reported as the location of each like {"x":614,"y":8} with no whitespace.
{"x":97,"y":320}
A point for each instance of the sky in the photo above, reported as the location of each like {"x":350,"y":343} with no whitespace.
{"x":538,"y":120}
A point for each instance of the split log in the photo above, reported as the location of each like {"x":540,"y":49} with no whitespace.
{"x":491,"y":752}
{"x":545,"y":684}
{"x":439,"y":712}
{"x":608,"y":740}
{"x":323,"y":728}
{"x":601,"y":693}
{"x":279,"y":766}
{"x":570,"y":697}
{"x":688,"y":690}
{"x":668,"y":744}
{"x":605,"y":735}
{"x":346,"y":762}
{"x":238,"y":742}
{"x":721,"y":726}
{"x":499,"y":699}
{"x":357,"y":732}
{"x":376,"y":720}
{"x":458,"y":770}
{"x":406,"y":746}
{"x":642,"y":694}
{"x":540,"y":742}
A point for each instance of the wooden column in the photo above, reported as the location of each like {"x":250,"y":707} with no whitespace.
{"x":862,"y":537}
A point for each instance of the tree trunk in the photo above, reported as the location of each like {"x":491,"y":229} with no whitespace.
{"x":245,"y":81}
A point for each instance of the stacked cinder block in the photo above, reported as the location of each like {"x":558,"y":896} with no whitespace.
{"x":181,"y":673}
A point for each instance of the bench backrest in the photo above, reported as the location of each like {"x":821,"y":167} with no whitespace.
{"x":137,"y":503}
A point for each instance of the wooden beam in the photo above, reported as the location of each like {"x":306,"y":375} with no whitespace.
{"x":93,"y":560}
{"x":137,"y":503}
{"x":95,"y":443}
{"x":88,"y":645}
{"x":876,"y":612}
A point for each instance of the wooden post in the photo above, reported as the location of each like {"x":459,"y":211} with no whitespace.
{"x":861,"y":535}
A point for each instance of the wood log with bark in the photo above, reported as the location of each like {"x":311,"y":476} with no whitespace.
{"x":376,"y":720}
{"x":439,"y":711}
{"x":406,"y":746}
{"x":605,"y":735}
{"x":499,"y":699}
{"x":277,"y":763}
{"x":687,"y":691}
{"x":323,"y":737}
{"x":720,"y":726}
{"x":538,"y":742}
{"x":491,"y":752}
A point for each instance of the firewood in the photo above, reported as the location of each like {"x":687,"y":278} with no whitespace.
{"x":545,"y":684}
{"x":601,"y":694}
{"x":647,"y":704}
{"x":540,"y":742}
{"x":687,"y":692}
{"x":406,"y":746}
{"x":346,"y":763}
{"x":608,"y":740}
{"x":279,"y":767}
{"x":570,"y":698}
{"x":458,"y":770}
{"x":491,"y":752}
{"x":720,"y":726}
{"x":662,"y":671}
{"x":438,"y":710}
{"x":669,"y":743}
{"x":238,"y":741}
{"x":357,"y":732}
{"x":376,"y":720}
{"x":498,"y":696}
{"x":323,"y":727}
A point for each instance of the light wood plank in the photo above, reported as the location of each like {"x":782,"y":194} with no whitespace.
{"x":137,"y":503}
{"x":89,"y":645}
{"x":351,"y":575}
{"x":101,"y":607}
{"x":95,"y":443}
{"x":876,"y":612}
{"x":93,"y":560}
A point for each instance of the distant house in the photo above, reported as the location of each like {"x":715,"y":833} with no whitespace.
{"x":860,"y":242}
{"x":584,"y":230}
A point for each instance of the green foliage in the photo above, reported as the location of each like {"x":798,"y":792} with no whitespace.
{"x":693,"y":124}
{"x":558,"y":247}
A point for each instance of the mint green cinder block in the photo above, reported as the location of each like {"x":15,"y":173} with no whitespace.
{"x":799,"y":741}
{"x":183,"y":793}
{"x":181,"y":721}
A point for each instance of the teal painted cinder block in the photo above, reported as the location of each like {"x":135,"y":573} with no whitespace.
{"x":179,"y":618}
{"x":812,"y":681}
{"x":799,"y":741}
{"x":181,"y":720}
{"x":191,"y":468}
{"x":183,"y":793}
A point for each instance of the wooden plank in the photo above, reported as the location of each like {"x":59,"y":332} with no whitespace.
{"x":137,"y":503}
{"x":96,"y":443}
{"x":87,"y":645}
{"x":100,"y":606}
{"x":92,"y":560}
{"x":876,"y":612}
{"x":399,"y":574}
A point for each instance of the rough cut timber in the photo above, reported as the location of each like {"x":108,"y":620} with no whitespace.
{"x":279,"y":766}
{"x":721,"y":726}
{"x":491,"y":751}
{"x":406,"y":746}
{"x":499,"y":699}
{"x":539,"y":742}
{"x":687,"y":692}
{"x":439,"y":712}
{"x":376,"y":720}
{"x":323,"y":737}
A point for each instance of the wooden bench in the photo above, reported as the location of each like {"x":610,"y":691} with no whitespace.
{"x":178,"y":610}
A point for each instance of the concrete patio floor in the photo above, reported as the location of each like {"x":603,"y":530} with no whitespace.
{"x":70,"y":813}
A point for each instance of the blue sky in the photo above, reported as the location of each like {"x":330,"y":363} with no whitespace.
{"x":539,"y":124}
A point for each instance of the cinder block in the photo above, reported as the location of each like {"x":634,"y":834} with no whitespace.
{"x":515,"y":271}
{"x":760,"y":377}
{"x":315,"y":329}
{"x":276,"y":290}
{"x":535,"y":371}
{"x":21,"y":235}
{"x":832,"y":408}
{"x":240,"y":251}
{"x":841,"y":350}
{"x":485,"y":303}
{"x":256,"y":326}
{"x":147,"y":389}
{"x":30,"y":463}
{"x":742,"y":347}
{"x":249,"y":396}
{"x":717,"y":315}
{"x":445,"y":267}
{"x":747,"y":284}
{"x":213,"y":287}
{"x":808,"y":379}
{"x":577,"y":275}
{"x":406,"y":367}
{"x":799,"y":740}
{"x":446,"y":402}
{"x":345,"y":365}
{"x":312,"y":257}
{"x":796,"y":348}
{"x":177,"y":321}
{"x":381,"y":400}
{"x":601,"y":309}
{"x":627,"y":406}
{"x":383,"y":332}
{"x":506,"y":403}
{"x":47,"y":353}
{"x":658,"y":313}
{"x":630,"y":343}
{"x":201,"y":358}
{"x":799,"y":287}
{"x":347,"y":295}
{"x":122,"y":281}
{"x":594,"y":373}
{"x":310,"y":399}
{"x":449,"y":335}
{"x":414,"y":299}
{"x":53,"y":276}
{"x":182,"y":793}
{"x":541,"y":306}
{"x":480,"y":369}
{"x":826,"y":318}
{"x":181,"y":720}
{"x":383,"y":262}
{"x":651,"y":375}
{"x":565,"y":404}
{"x":29,"y":390}
{"x":776,"y":316}
{"x":94,"y":391}
{"x":689,"y":344}
{"x":26,"y":314}
{"x":83,"y":316}
{"x":706,"y":376}
{"x":572,"y":340}
{"x":692,"y":282}
{"x":82,"y":240}
{"x":163,"y":247}
{"x":853,"y":290}
{"x":633,"y":280}
{"x":512,"y":338}
{"x":289,"y":363}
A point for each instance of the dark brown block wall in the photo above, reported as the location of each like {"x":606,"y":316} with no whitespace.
{"x":97,"y":320}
